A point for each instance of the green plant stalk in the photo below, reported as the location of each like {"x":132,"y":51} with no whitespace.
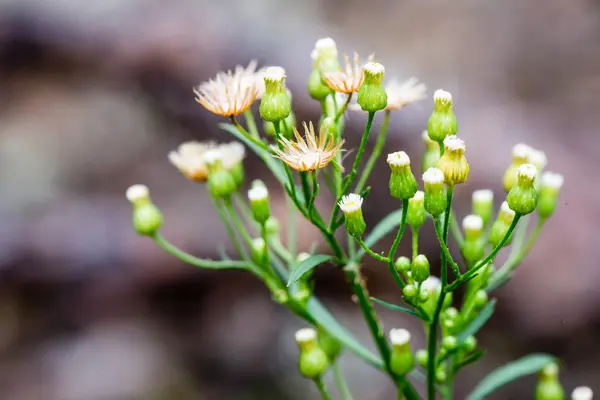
{"x":370,"y":252}
{"x":248,"y":136}
{"x":395,"y":245}
{"x":456,"y":233}
{"x":350,"y":178}
{"x":306,"y":189}
{"x":364,"y":177}
{"x":340,"y":381}
{"x":237,"y":222}
{"x":237,"y":245}
{"x":489,"y":257}
{"x":433,"y":327}
{"x":415,"y":242}
{"x":288,"y":172}
{"x":291,"y":234}
{"x":251,"y":123}
{"x":342,"y":110}
{"x":439,"y":234}
{"x":322,"y":389}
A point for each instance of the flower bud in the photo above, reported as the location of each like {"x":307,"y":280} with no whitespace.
{"x":329,"y":126}
{"x":317,"y":89}
{"x":402,"y":264}
{"x":442,"y":121}
{"x":453,"y":163}
{"x":416,"y":210}
{"x":440,"y":374}
{"x":403,"y":184}
{"x":330,"y":345}
{"x":432,"y":288}
{"x":313,"y":361}
{"x":548,"y":386}
{"x":582,"y":393}
{"x":431,"y":155}
{"x":351,"y":206}
{"x":422,"y":357}
{"x":483,"y":204}
{"x":258,"y":249}
{"x":520,"y":155}
{"x":480,"y":300}
{"x":435,"y":198}
{"x":409,"y":291}
{"x":325,"y":55}
{"x":371,"y":95}
{"x":232,"y":155}
{"x":221,"y":183}
{"x":146,"y":218}
{"x":538,"y":159}
{"x":501,"y":225}
{"x":272,"y":226}
{"x":259,"y":202}
{"x":523,"y":197}
{"x":451,"y":321}
{"x":474,"y":245}
{"x":401,"y":359}
{"x":279,"y":293}
{"x":469,"y":344}
{"x":548,"y":195}
{"x":275,"y":104}
{"x":420,"y":268}
{"x":450,"y":343}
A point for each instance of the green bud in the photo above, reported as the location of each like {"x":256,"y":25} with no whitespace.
{"x":258,"y":251}
{"x":351,"y":206}
{"x":221,"y":183}
{"x":422,"y":357}
{"x":317,"y":89}
{"x":420,"y":268}
{"x":409,"y":291}
{"x":259,"y":202}
{"x":432,"y":288}
{"x":401,"y":359}
{"x":371,"y":95}
{"x":450,"y":343}
{"x":501,"y":225}
{"x":403,"y":184}
{"x":520,"y":156}
{"x":435,"y":197}
{"x":416,"y":210}
{"x":237,"y":172}
{"x":442,"y":121}
{"x":146,"y":217}
{"x":313,"y":361}
{"x":549,"y":190}
{"x":548,"y":386}
{"x":440,"y":374}
{"x":431,"y":155}
{"x":402,"y":264}
{"x":480,"y":300}
{"x":330,"y":345}
{"x":523,"y":197}
{"x":483,"y":204}
{"x":473,"y":247}
{"x":272,"y":226}
{"x":329,"y":126}
{"x":275,"y":104}
{"x":470,"y":344}
{"x":447,"y":301}
{"x":279,"y":293}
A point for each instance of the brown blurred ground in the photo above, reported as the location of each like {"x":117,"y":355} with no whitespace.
{"x":94,"y":94}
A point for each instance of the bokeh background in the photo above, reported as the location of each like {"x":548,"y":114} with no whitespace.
{"x":93,"y":94}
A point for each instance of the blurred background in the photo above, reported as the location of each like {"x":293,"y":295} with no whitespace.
{"x":94,"y":94}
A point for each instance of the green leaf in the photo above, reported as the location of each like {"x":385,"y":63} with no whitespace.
{"x":397,"y":308}
{"x":507,"y":373}
{"x":385,"y":226}
{"x":478,"y":322}
{"x":469,"y":359}
{"x":273,"y":164}
{"x":307,"y":265}
{"x":328,"y":322}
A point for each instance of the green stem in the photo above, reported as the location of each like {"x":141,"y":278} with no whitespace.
{"x":340,"y":381}
{"x":251,"y":123}
{"x":433,"y":327}
{"x":415,"y":243}
{"x":237,"y":222}
{"x":305,"y":189}
{"x":532,"y":238}
{"x":226,"y":220}
{"x":395,"y":245}
{"x":343,"y":109}
{"x":439,"y":234}
{"x":456,"y":233}
{"x":489,"y":257}
{"x":364,"y":177}
{"x":322,"y":389}
{"x":370,"y":252}
{"x":291,"y":236}
{"x":248,"y":136}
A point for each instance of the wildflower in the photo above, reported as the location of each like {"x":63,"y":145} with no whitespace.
{"x":401,"y":94}
{"x":402,"y":360}
{"x":275,"y":104}
{"x":230,"y":93}
{"x":314,"y":152}
{"x":582,"y":393}
{"x":371,"y":95}
{"x":442,"y":122}
{"x":189,"y":159}
{"x":403,"y":184}
{"x":147,"y":218}
{"x":324,"y":60}
{"x":523,"y":197}
{"x":548,"y":386}
{"x":313,"y":360}
{"x":435,"y":198}
{"x":348,"y":80}
{"x":351,"y":206}
{"x":259,"y":202}
{"x":483,"y":204}
{"x":453,"y":163}
{"x":501,"y":225}
{"x":550,"y":186}
{"x":520,"y":156}
{"x":474,"y":244}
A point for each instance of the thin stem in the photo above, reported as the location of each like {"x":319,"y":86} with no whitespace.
{"x":395,"y":245}
{"x":456,"y":233}
{"x":322,"y":389}
{"x":248,"y":136}
{"x":226,"y":220}
{"x":340,"y":381}
{"x":315,"y":191}
{"x":532,"y":238}
{"x":343,"y":109}
{"x":364,"y":177}
{"x":439,"y":234}
{"x":370,"y":252}
{"x":305,"y":189}
{"x":291,"y":235}
{"x":415,"y":243}
{"x":251,"y":123}
{"x":489,"y":257}
{"x":433,"y":327}
{"x":237,"y":222}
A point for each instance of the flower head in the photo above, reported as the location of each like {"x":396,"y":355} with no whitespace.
{"x":453,"y":163}
{"x":351,"y":203}
{"x":347,"y":80}
{"x":189,"y":159}
{"x":137,"y":193}
{"x":399,"y":337}
{"x":442,"y":98}
{"x":232,"y":153}
{"x":552,"y":180}
{"x":538,"y":159}
{"x":582,"y":393}
{"x":314,"y":152}
{"x":401,"y":94}
{"x":526,"y":174}
{"x":230,"y":93}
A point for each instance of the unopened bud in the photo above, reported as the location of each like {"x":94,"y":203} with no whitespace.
{"x":420,"y":268}
{"x":548,"y":386}
{"x":474,"y":245}
{"x":313,"y":361}
{"x":450,"y":343}
{"x":431,"y":155}
{"x":403,"y":184}
{"x":409,"y":291}
{"x":351,"y":206}
{"x":442,"y":122}
{"x":146,"y":217}
{"x":416,"y":210}
{"x":550,"y":186}
{"x":402,"y":264}
{"x":259,"y":203}
{"x":435,"y":197}
{"x":520,"y":156}
{"x":483,"y":204}
{"x":469,"y":345}
{"x":501,"y":226}
{"x":258,"y":251}
{"x":275,"y":104}
{"x":372,"y":96}
{"x":453,"y":163}
{"x":523,"y":197}
{"x":401,"y":359}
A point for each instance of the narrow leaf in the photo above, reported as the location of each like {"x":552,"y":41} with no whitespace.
{"x":507,"y":373}
{"x":385,"y":226}
{"x":478,"y":322}
{"x":469,"y":359}
{"x":306,"y":266}
{"x":328,"y":322}
{"x":397,"y":307}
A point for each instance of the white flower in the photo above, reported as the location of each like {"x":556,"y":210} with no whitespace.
{"x":324,"y":47}
{"x":419,"y":196}
{"x":232,"y":153}
{"x":348,"y":80}
{"x":401,"y":94}
{"x":189,"y":159}
{"x":350,"y":203}
{"x":212,"y":156}
{"x":521,"y":151}
{"x":538,"y":159}
{"x":305,"y":335}
{"x":136,"y":193}
{"x":506,"y":211}
{"x":473,"y":222}
{"x":373,"y":68}
{"x":274,"y":74}
{"x":552,"y":180}
{"x":399,"y":337}
{"x":258,"y":193}
{"x":398,"y":159}
{"x":433,"y":176}
{"x":527,"y":172}
{"x":483,"y":196}
{"x":431,"y":285}
{"x":441,"y":96}
{"x":582,"y":393}
{"x":453,"y":143}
